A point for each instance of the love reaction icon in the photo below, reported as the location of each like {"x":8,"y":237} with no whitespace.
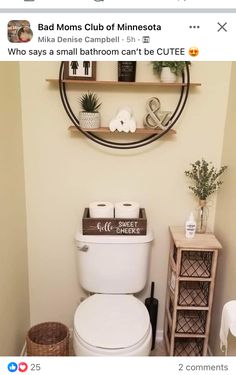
{"x":22,"y":367}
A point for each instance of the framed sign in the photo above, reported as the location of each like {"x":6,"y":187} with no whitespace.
{"x":80,"y":70}
{"x":126,"y":71}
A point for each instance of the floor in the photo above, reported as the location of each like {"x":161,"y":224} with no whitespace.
{"x":160,"y":349}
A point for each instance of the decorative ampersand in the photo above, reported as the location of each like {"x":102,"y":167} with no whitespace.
{"x":156,"y":118}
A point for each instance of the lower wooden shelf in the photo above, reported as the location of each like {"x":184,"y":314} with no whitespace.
{"x":188,"y":346}
{"x":191,"y":322}
{"x":106,"y":130}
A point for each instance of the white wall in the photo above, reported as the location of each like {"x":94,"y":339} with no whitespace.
{"x":64,"y":172}
{"x":225,"y":226}
{"x":14,"y":296}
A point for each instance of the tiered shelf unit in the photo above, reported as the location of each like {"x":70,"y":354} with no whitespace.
{"x":190,"y":288}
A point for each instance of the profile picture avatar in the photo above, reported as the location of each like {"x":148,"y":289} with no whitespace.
{"x":19,"y":31}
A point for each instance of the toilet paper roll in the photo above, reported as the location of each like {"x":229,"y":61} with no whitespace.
{"x":101,"y":210}
{"x":228,"y":323}
{"x":127,"y":210}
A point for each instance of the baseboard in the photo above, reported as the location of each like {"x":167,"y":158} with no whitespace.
{"x":23,"y":351}
{"x":209,"y":351}
{"x":159,"y":335}
{"x":71,"y":332}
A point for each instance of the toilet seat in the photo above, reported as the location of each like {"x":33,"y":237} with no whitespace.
{"x":143,"y":348}
{"x":112,"y":322}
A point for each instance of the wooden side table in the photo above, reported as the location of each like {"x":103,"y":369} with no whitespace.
{"x":190,"y":288}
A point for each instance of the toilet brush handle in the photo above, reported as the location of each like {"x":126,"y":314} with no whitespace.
{"x":152,"y":290}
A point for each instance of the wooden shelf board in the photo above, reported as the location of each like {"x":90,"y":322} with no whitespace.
{"x":191,"y":308}
{"x":186,"y":278}
{"x":138,"y":131}
{"x":128,"y":84}
{"x":201,"y":241}
{"x":190,"y":335}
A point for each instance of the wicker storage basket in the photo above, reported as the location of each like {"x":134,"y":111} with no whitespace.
{"x":48,"y":339}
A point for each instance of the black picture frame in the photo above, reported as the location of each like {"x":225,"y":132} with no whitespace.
{"x":80,"y":70}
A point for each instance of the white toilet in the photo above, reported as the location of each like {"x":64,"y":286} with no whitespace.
{"x":112,"y":322}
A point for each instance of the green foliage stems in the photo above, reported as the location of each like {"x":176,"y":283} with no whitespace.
{"x":175,"y":66}
{"x":205,"y":177}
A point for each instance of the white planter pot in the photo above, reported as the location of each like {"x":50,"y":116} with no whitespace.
{"x":167,"y":76}
{"x":89,"y":120}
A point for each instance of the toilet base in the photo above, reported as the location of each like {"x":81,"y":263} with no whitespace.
{"x":142,"y":348}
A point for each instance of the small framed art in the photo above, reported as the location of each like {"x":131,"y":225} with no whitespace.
{"x":80,"y":70}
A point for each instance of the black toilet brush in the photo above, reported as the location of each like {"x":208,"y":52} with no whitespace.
{"x":151,"y":304}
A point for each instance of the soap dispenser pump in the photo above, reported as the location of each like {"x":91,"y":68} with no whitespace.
{"x":190,"y":226}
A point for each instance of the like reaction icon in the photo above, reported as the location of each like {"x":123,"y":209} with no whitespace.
{"x":12,"y":367}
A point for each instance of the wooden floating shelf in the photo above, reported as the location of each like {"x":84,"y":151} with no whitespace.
{"x":138,"y":131}
{"x":128,"y":84}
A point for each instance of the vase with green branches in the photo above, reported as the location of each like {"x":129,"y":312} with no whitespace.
{"x":206,"y":181}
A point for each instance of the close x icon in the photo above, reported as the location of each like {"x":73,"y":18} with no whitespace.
{"x":222,"y":27}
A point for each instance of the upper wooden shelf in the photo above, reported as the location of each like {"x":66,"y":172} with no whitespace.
{"x":138,"y":130}
{"x":129,"y":84}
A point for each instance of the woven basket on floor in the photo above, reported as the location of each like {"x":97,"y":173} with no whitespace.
{"x":48,"y":339}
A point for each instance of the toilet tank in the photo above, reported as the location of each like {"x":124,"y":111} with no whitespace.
{"x":113,"y":264}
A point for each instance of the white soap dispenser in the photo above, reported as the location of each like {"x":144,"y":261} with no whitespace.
{"x":190,"y":226}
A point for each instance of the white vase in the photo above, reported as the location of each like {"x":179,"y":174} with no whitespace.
{"x":89,"y":120}
{"x":167,"y":76}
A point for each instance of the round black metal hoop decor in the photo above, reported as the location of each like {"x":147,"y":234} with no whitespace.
{"x":184,"y":92}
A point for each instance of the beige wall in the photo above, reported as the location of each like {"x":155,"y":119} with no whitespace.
{"x":64,"y":172}
{"x":14,"y":303}
{"x":225,"y":225}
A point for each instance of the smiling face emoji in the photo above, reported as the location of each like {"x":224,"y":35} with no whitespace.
{"x":193,"y":51}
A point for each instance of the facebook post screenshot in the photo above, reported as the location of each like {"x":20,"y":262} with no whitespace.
{"x":117,"y":187}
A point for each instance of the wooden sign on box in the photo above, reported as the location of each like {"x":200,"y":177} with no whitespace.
{"x":115,"y":226}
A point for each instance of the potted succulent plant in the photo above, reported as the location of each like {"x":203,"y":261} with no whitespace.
{"x":168,"y":70}
{"x":89,"y":117}
{"x":206,"y":181}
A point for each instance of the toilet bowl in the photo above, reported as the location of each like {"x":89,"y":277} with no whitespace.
{"x":112,"y":325}
{"x":112,"y":322}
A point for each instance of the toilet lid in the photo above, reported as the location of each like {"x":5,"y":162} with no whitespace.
{"x":112,"y":321}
